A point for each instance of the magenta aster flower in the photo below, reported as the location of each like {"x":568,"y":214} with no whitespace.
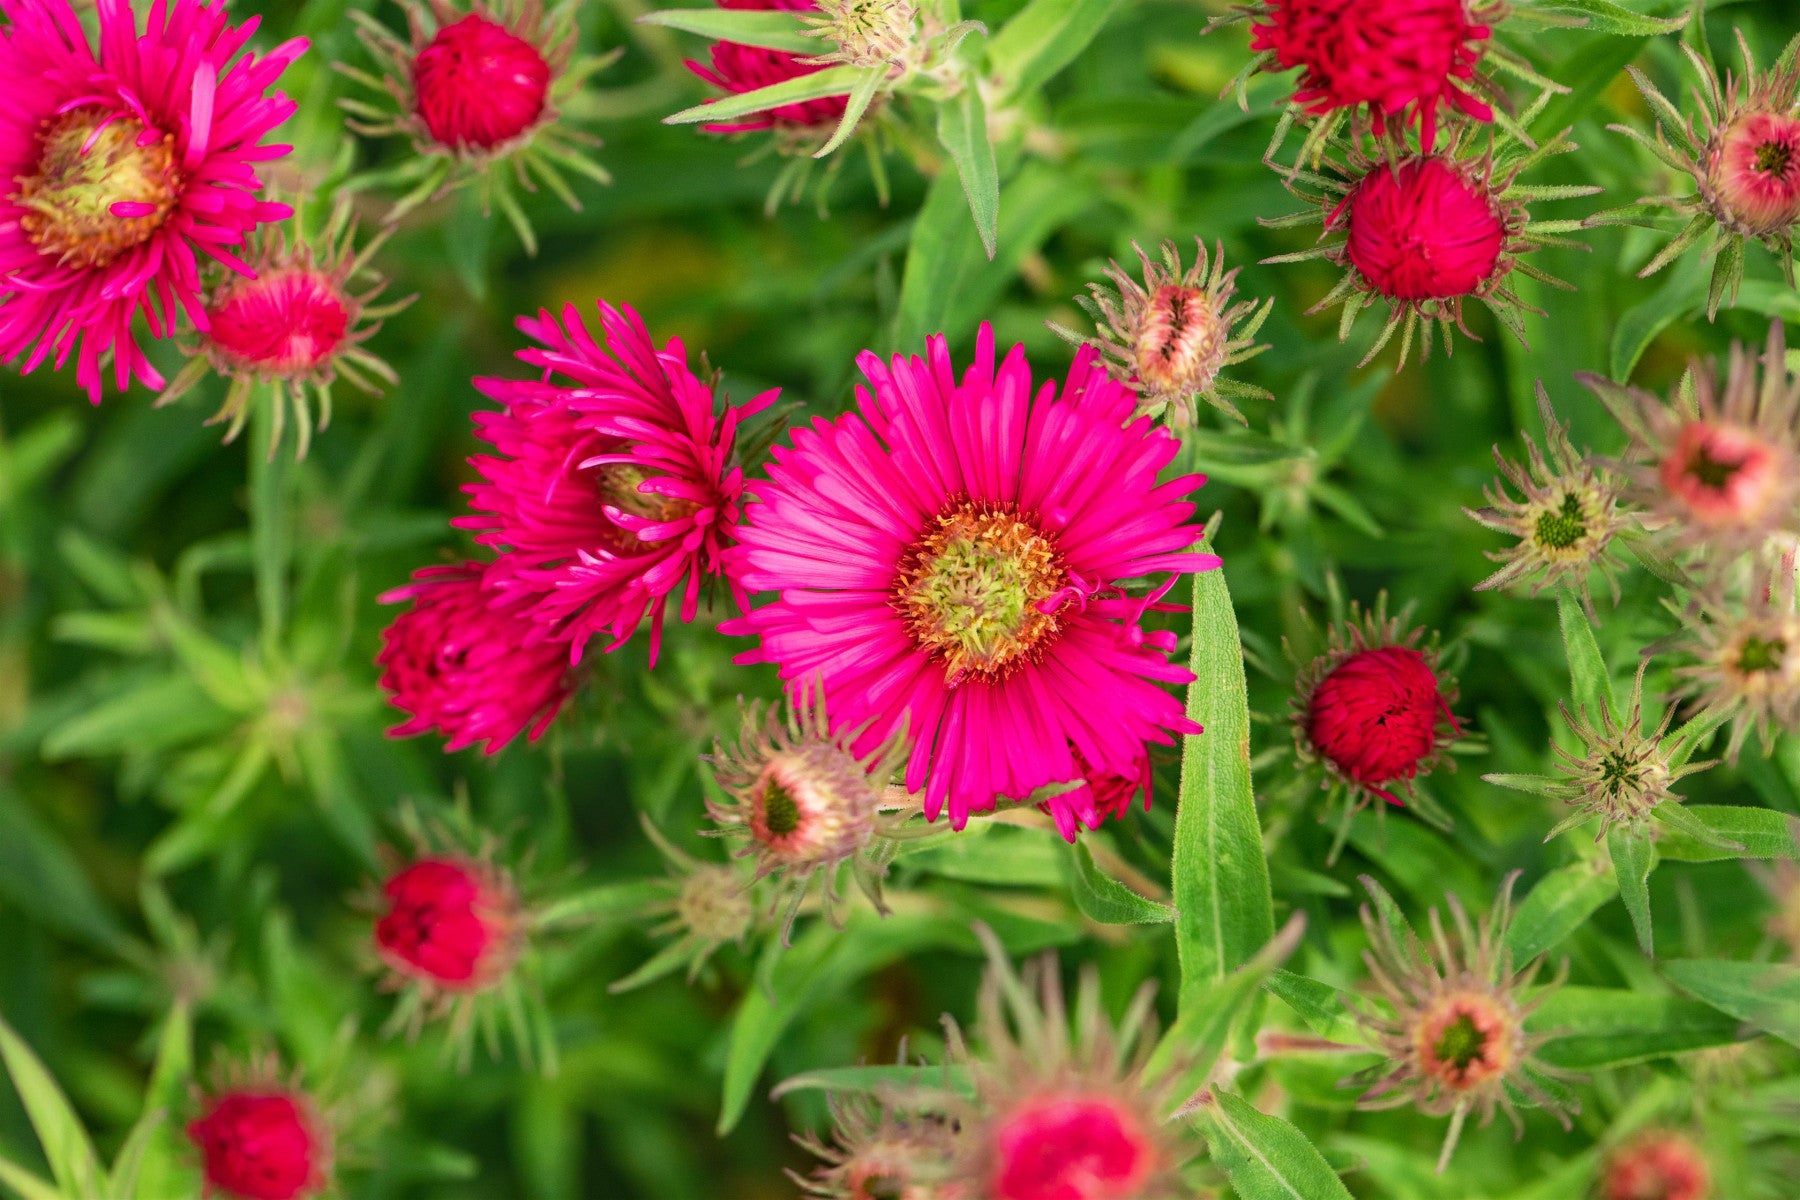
{"x":124,"y":166}
{"x":613,"y":484}
{"x":459,"y":663}
{"x":953,"y":555}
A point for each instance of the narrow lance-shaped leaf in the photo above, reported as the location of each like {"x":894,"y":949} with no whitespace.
{"x":772,"y":30}
{"x":1766,"y":995}
{"x":1220,"y":876}
{"x":66,"y":1145}
{"x":1265,"y":1157}
{"x":1561,"y":902}
{"x":1102,"y":898}
{"x":1587,"y":668}
{"x":1634,"y":857}
{"x":1197,"y":1037}
{"x":962,"y":128}
{"x":832,"y":81}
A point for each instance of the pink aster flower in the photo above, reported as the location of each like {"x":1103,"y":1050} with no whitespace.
{"x":613,"y":483}
{"x":458,"y":663}
{"x":739,"y":68}
{"x":953,"y":555}
{"x":124,"y":166}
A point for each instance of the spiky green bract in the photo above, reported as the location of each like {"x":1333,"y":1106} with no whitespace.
{"x":702,"y":906}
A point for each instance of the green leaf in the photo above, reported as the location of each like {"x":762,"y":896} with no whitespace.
{"x":1766,"y":995}
{"x":1560,"y":904}
{"x":1220,"y":875}
{"x":150,"y":715}
{"x":1590,"y":684}
{"x":1041,"y":39}
{"x":832,"y":81}
{"x":1102,"y":898}
{"x":1604,"y":16}
{"x":962,"y":130}
{"x":1760,"y":832}
{"x":1197,"y":1038}
{"x":1265,"y":1157}
{"x":951,"y":1078}
{"x":1593,"y":1027}
{"x":747,"y":27}
{"x":859,"y":102}
{"x":41,"y":876}
{"x":1319,"y":1004}
{"x":602,"y":904}
{"x":66,"y":1145}
{"x":29,"y":1186}
{"x":1634,"y":857}
{"x":1640,"y":324}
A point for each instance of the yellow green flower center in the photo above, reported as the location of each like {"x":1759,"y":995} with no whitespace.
{"x":1774,"y":158}
{"x":1758,"y":655}
{"x":618,"y":485}
{"x":781,"y":812}
{"x":1460,"y":1043}
{"x":972,"y":586}
{"x":1563,"y":526}
{"x":88,"y":165}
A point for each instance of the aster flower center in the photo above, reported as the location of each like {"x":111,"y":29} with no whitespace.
{"x":1774,"y":158}
{"x":1561,"y":527}
{"x":975,"y":589}
{"x":620,"y":485}
{"x":1462,"y":1041}
{"x":103,"y":185}
{"x":1761,"y":655}
{"x":780,"y":812}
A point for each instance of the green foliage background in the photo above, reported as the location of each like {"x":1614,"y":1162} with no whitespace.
{"x":193,"y":776}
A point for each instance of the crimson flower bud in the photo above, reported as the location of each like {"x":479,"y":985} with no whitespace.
{"x":261,"y":1144}
{"x":450,"y":922}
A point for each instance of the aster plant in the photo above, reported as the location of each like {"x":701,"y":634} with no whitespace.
{"x":133,"y":166}
{"x":1741,"y":150}
{"x":1170,"y":337}
{"x":486,"y":93}
{"x":1428,"y":232}
{"x":1452,"y":1018}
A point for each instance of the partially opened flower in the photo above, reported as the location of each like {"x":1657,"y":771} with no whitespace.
{"x":450,"y":923}
{"x":460,"y":664}
{"x":1742,"y":151}
{"x":1428,"y":233}
{"x":1565,"y":518}
{"x":261,"y":1137}
{"x":955,"y":555}
{"x":1169,"y":338}
{"x":482,"y":89}
{"x":1401,"y":63}
{"x":128,"y":169}
{"x":1452,"y":1018}
{"x":1066,"y":1111}
{"x":1658,"y":1164}
{"x":613,"y":484}
{"x":1719,"y":471}
{"x":1373,"y":710}
{"x":804,"y":802}
{"x":1743,"y":659}
{"x":736,"y":68}
{"x":292,"y":329}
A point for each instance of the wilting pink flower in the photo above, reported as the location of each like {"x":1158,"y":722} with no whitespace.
{"x":739,"y":68}
{"x":950,"y":555}
{"x":458,"y":663}
{"x":261,"y":1143}
{"x":450,"y":923}
{"x":1423,"y":230}
{"x":613,"y":483}
{"x":124,"y":167}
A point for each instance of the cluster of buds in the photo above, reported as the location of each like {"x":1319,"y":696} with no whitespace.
{"x":1372,"y":711}
{"x":1743,"y":155}
{"x":1055,"y":1111}
{"x":1453,"y":1024}
{"x":1169,"y":338}
{"x":805,"y":802}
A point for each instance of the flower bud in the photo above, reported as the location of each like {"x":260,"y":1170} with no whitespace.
{"x":479,"y":85}
{"x":1657,"y":1165}
{"x":1424,"y":230}
{"x":450,"y":922}
{"x":1754,"y":175}
{"x":261,"y":1143}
